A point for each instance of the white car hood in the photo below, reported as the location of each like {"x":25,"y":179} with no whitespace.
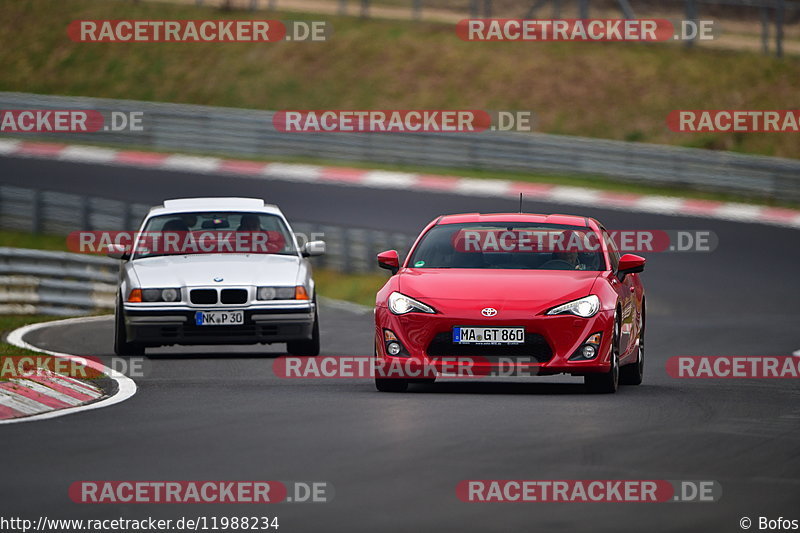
{"x":202,"y":269}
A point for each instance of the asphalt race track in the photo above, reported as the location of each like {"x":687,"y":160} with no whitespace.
{"x":395,"y":460}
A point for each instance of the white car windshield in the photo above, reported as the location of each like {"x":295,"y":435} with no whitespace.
{"x":213,"y":233}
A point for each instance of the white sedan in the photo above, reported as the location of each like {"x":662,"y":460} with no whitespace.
{"x":216,"y":271}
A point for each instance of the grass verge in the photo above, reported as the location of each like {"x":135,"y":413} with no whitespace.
{"x":358,"y":288}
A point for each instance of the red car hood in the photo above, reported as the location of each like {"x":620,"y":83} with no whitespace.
{"x":533,"y":290}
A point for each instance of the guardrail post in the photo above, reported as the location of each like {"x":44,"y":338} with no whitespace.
{"x":780,"y":12}
{"x":764,"y":12}
{"x":127,"y":218}
{"x":316,"y":231}
{"x":86,"y":213}
{"x":627,"y":10}
{"x":36,"y":212}
{"x":369,"y":249}
{"x":471,"y":154}
{"x":342,"y":7}
{"x":400,"y":242}
{"x":583,"y":9}
{"x":417,"y":9}
{"x":365,"y":9}
{"x":691,"y":14}
{"x":347,"y":259}
{"x":377,"y":242}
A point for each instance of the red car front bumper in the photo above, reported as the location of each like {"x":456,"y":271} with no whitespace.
{"x":550,"y":342}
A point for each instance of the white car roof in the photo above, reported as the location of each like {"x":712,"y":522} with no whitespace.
{"x":183,"y":205}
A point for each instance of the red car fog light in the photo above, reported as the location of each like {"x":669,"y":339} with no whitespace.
{"x":589,"y":349}
{"x":393,"y":345}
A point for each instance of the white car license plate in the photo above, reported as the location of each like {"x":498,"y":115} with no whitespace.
{"x":486,"y":335}
{"x":218,"y":318}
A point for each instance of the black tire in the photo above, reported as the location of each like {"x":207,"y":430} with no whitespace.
{"x":633,"y":374}
{"x":391,"y":384}
{"x":121,"y":344}
{"x":607,"y":382}
{"x":306,"y":348}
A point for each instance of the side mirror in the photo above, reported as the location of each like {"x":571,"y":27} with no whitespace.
{"x":118,"y":251}
{"x":389,"y":260}
{"x":630,"y":264}
{"x":313,"y":248}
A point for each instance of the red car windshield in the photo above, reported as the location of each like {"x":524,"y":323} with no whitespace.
{"x":509,"y":246}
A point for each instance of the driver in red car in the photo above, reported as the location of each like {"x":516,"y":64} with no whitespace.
{"x":572,"y":258}
{"x":570,"y":253}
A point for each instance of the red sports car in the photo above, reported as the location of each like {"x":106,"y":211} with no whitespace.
{"x":533,"y":294}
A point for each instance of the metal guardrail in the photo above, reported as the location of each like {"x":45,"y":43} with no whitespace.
{"x":55,"y":283}
{"x":62,"y":283}
{"x":232,"y":131}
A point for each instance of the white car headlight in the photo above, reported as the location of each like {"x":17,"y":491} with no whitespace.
{"x":169,"y":295}
{"x":266,"y":293}
{"x":161,"y":295}
{"x":276,"y":293}
{"x":401,"y":304}
{"x":583,"y":307}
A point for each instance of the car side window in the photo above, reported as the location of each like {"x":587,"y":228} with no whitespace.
{"x":613,"y":253}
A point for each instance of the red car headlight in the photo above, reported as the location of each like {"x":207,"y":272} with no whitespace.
{"x":583,"y":307}
{"x":401,"y":304}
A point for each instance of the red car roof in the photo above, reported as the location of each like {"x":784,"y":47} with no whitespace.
{"x":471,"y":218}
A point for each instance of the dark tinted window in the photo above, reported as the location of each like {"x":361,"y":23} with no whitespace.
{"x":257,"y":233}
{"x":509,"y":246}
